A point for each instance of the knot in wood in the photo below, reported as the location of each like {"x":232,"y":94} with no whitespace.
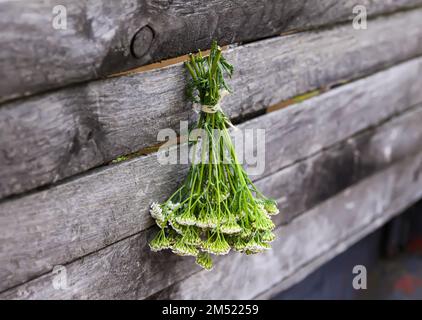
{"x":142,"y":41}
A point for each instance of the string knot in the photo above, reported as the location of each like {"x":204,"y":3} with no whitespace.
{"x":211,"y":109}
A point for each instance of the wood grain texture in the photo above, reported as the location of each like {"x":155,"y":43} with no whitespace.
{"x":321,"y":233}
{"x":88,"y":213}
{"x":304,"y":184}
{"x":46,"y":138}
{"x":344,"y":164}
{"x":319,"y":122}
{"x":128,"y":270}
{"x":98,"y":35}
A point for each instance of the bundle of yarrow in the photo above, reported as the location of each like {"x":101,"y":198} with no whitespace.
{"x":217,"y":208}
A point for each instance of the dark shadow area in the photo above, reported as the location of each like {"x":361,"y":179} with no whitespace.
{"x":392,"y":256}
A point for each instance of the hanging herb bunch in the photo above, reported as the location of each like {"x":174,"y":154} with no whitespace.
{"x":217,"y":208}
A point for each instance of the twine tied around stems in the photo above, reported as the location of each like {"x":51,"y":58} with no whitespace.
{"x":214,"y":109}
{"x":211,"y":109}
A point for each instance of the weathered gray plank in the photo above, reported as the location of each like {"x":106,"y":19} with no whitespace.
{"x":306,"y":183}
{"x":321,"y":233}
{"x":98,"y":35}
{"x":128,"y":270}
{"x":86,"y":214}
{"x":46,"y":138}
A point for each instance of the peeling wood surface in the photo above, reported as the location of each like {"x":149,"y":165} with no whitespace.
{"x":98,"y":37}
{"x":321,"y":233}
{"x":87,"y":214}
{"x":46,"y":138}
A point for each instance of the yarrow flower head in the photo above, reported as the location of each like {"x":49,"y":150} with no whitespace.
{"x":187,"y":218}
{"x":202,"y":221}
{"x":156,"y":211}
{"x":217,"y":208}
{"x":191,"y":236}
{"x":262,"y":221}
{"x":271,"y":207}
{"x":176,"y":226}
{"x":207,"y":219}
{"x":203,"y":259}
{"x":239,"y":244}
{"x":245,"y":232}
{"x":230,"y":227}
{"x":267,"y":236}
{"x":216,"y":244}
{"x":160,"y":241}
{"x":255,"y":245}
{"x":183,"y":249}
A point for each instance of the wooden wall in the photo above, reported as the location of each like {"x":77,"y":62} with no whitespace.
{"x":340,"y":161}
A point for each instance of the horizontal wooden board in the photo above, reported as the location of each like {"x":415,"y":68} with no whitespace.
{"x":98,"y":36}
{"x":128,"y":269}
{"x":324,"y":231}
{"x":49,"y":137}
{"x":86,"y":214}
